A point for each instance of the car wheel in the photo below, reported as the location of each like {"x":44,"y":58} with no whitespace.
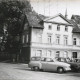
{"x":36,"y":68}
{"x":60,"y":70}
{"x":78,"y":70}
{"x":32,"y":69}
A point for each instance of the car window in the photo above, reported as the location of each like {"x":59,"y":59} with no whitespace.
{"x":35,"y":58}
{"x":77,"y":60}
{"x":43,"y":59}
{"x":63,"y":59}
{"x":49,"y":60}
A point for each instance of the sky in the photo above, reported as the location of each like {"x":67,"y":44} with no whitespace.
{"x":53,"y":7}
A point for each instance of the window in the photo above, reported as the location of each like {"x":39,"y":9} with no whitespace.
{"x":65,"y":54}
{"x":23,"y":39}
{"x":35,"y":59}
{"x":74,"y":41}
{"x":49,"y":27}
{"x":49,"y":53}
{"x":49,"y":38}
{"x":58,"y":27}
{"x":49,"y":60}
{"x":74,"y":54}
{"x":40,"y":38}
{"x":39,"y":53}
{"x":57,"y":54}
{"x":57,"y":39}
{"x":26,"y":38}
{"x":66,"y":28}
{"x":65,"y":40}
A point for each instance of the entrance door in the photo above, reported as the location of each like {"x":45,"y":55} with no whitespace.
{"x":74,"y":54}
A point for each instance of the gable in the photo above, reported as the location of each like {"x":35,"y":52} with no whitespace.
{"x":34,"y":20}
{"x":58,"y":19}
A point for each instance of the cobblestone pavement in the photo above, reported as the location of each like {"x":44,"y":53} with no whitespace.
{"x":10,"y":71}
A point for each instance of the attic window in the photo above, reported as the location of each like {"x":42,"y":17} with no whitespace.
{"x":66,"y":28}
{"x":58,"y":27}
{"x":49,"y":27}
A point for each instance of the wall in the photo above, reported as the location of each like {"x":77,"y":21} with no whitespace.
{"x":53,"y":32}
{"x":45,"y":46}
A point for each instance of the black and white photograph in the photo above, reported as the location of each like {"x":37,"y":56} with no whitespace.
{"x":39,"y":39}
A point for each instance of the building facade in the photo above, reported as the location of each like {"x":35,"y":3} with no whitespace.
{"x":51,"y":37}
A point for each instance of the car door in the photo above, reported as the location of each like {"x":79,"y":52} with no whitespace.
{"x":43,"y":63}
{"x":49,"y":65}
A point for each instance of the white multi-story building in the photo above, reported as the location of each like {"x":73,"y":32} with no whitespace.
{"x":51,"y":37}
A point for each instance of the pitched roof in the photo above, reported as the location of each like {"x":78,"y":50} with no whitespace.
{"x":75,"y":20}
{"x":34,"y":20}
{"x":43,"y":17}
{"x":59,"y":15}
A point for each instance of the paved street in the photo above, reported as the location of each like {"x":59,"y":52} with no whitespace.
{"x":10,"y":71}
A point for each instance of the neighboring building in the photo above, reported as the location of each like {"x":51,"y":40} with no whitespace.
{"x":75,"y":19}
{"x":51,"y":37}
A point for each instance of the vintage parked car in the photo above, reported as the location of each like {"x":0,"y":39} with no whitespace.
{"x":62,"y":59}
{"x":75,"y":63}
{"x":48,"y":64}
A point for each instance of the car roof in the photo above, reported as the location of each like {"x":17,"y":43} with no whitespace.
{"x":40,"y":57}
{"x":76,"y":58}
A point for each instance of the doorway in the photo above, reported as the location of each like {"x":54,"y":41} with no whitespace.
{"x":74,"y":54}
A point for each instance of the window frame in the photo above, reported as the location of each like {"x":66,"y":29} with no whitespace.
{"x":66,"y":28}
{"x":58,"y":27}
{"x":65,"y":40}
{"x":57,"y":54}
{"x":49,"y":38}
{"x":49,"y":53}
{"x":50,"y":27}
{"x":75,"y":41}
{"x":57,"y":39}
{"x":65,"y":54}
{"x":39,"y":54}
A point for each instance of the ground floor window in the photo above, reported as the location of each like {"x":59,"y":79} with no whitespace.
{"x":39,"y":53}
{"x":49,"y":52}
{"x":65,"y":54}
{"x":74,"y":55}
{"x":57,"y":54}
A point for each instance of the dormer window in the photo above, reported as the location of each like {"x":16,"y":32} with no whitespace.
{"x":66,"y":28}
{"x":58,"y":27}
{"x":49,"y":27}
